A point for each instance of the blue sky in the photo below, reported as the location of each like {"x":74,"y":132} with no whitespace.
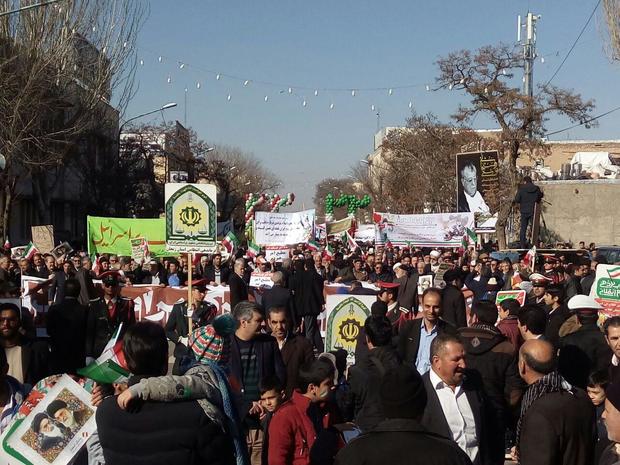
{"x":343,"y":44}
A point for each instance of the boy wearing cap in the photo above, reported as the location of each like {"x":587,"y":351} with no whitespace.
{"x":585,"y":350}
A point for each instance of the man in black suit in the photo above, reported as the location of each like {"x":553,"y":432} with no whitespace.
{"x":238,"y":287}
{"x":452,"y":300}
{"x":455,"y":408}
{"x":216,"y":273}
{"x":415,"y":336}
{"x":281,"y":297}
{"x":155,"y":274}
{"x":66,"y":327}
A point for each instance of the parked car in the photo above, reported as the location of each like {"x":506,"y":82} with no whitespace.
{"x":610,"y":252}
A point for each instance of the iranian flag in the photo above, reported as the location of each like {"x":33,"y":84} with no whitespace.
{"x":111,"y":366}
{"x":30,"y":251}
{"x":464,"y":245}
{"x":96,"y":264}
{"x":329,"y":252}
{"x":350,"y":242}
{"x":230,"y":242}
{"x":253,"y":249}
{"x":530,"y":258}
{"x":614,"y":273}
{"x":313,"y":246}
{"x":472,"y":235}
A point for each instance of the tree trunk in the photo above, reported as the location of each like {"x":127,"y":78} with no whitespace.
{"x":6,"y":200}
{"x":506,"y":206}
{"x":41,"y":197}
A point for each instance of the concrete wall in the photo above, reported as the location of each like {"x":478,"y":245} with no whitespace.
{"x":583,"y":210}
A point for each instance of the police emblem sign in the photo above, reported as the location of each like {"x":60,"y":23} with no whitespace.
{"x":346,"y":315}
{"x":191,"y":217}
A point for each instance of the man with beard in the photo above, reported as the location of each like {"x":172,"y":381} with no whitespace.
{"x":48,"y":432}
{"x":557,"y":422}
{"x":70,"y":419}
{"x":456,"y":408}
{"x":28,"y":360}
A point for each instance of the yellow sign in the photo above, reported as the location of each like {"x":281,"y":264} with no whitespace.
{"x":345,"y":319}
{"x":191,"y":217}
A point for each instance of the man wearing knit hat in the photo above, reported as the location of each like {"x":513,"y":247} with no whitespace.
{"x":585,"y":350}
{"x":400,"y":439}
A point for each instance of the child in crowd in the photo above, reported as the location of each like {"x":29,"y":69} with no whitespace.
{"x":271,"y":397}
{"x":597,"y":384}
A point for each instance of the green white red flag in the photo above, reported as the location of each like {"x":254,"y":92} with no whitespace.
{"x":230,"y":242}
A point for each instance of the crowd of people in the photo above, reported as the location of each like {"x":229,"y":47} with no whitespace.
{"x":442,"y":374}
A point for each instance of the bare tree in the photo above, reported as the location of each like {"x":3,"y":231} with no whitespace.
{"x":611,"y":16}
{"x":417,"y":169}
{"x":59,"y":66}
{"x":486,"y":78}
{"x":235,"y":173}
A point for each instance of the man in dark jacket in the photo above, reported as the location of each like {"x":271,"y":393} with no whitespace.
{"x":365,"y":376}
{"x":400,"y":439}
{"x":155,"y":275}
{"x":493,"y":359}
{"x":238,"y":286}
{"x":57,"y":287}
{"x":557,"y":314}
{"x":296,"y":350}
{"x":528,"y":195}
{"x":557,"y":423}
{"x":415,"y":337}
{"x":452,"y":300}
{"x":281,"y":297}
{"x":586,"y":350}
{"x":216,"y":273}
{"x":253,"y":356}
{"x":158,"y":432}
{"x":66,"y":327}
{"x":407,"y":287}
{"x":307,"y":285}
{"x":106,"y":314}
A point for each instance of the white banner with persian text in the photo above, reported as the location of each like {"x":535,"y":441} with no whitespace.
{"x":425,"y":230}
{"x":283,"y":228}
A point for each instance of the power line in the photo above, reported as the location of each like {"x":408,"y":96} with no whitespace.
{"x":583,"y":122}
{"x":574,"y":43}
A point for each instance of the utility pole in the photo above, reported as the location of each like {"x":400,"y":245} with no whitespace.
{"x":529,"y":50}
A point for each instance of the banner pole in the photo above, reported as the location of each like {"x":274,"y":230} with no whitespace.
{"x":190,"y":265}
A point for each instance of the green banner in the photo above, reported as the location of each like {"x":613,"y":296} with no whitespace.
{"x":114,"y":235}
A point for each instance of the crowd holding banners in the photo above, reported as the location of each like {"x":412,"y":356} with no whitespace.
{"x":366,"y":301}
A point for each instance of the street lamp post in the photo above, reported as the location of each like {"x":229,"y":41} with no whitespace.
{"x":120,"y":129}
